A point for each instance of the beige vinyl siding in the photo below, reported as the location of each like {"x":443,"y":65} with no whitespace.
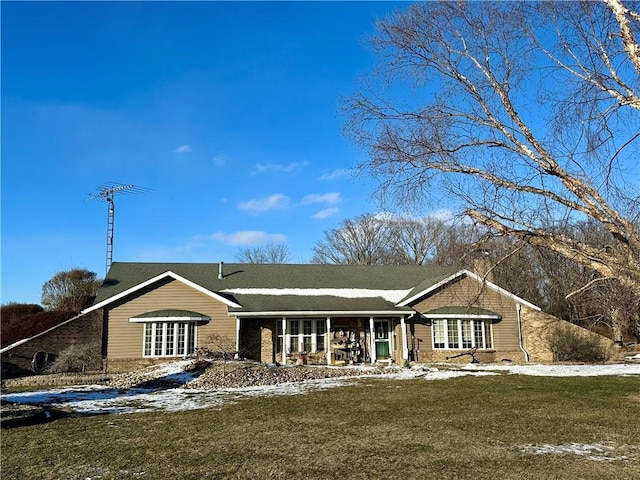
{"x":125,"y":338}
{"x":465,"y":292}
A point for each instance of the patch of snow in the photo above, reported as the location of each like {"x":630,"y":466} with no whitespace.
{"x":597,"y":452}
{"x":558,"y":370}
{"x":390,"y":295}
{"x":104,"y":399}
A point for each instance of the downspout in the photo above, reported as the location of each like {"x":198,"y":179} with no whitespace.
{"x":526,"y":354}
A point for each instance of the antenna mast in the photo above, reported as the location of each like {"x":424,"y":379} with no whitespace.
{"x":107,"y":193}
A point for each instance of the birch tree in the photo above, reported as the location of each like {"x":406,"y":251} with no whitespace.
{"x":523,"y":114}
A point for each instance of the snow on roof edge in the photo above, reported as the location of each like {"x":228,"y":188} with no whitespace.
{"x":393,"y":296}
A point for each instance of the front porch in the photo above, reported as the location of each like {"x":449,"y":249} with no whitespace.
{"x":324,"y":341}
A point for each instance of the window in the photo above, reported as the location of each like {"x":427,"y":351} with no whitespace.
{"x":164,"y":339}
{"x":294,"y":335}
{"x":461,"y":333}
{"x":302,"y":336}
{"x":321,"y":329}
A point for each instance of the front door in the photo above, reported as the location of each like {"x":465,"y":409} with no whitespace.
{"x":381,"y":332}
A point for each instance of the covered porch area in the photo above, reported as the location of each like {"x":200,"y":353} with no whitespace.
{"x":330,"y":340}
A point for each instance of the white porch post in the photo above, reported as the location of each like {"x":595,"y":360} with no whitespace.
{"x":284,"y":340}
{"x":237,"y":337}
{"x":327,"y":343}
{"x":372,"y":340}
{"x":405,"y":346}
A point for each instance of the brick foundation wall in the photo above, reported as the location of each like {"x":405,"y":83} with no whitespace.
{"x":84,"y":330}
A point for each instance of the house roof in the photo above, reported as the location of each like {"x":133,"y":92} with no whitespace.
{"x":124,"y":275}
{"x":251,"y":289}
{"x":308,"y":305}
{"x":279,"y":287}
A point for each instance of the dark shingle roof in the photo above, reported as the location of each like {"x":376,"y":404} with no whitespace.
{"x":123,"y":276}
{"x":169,"y":313}
{"x":299,"y":303}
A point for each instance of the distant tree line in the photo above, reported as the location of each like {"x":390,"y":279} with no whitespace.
{"x":544,"y":277}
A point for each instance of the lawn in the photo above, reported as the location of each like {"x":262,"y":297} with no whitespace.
{"x":464,"y":428}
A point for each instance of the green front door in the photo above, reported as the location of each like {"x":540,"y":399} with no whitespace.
{"x":381,"y":332}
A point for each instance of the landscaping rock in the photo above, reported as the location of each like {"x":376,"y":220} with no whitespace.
{"x":216,"y":375}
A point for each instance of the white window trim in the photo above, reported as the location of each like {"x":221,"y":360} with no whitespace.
{"x":313,"y":335}
{"x":483,"y":319}
{"x":154,"y":328}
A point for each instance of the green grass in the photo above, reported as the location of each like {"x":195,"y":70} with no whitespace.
{"x":466,"y":428}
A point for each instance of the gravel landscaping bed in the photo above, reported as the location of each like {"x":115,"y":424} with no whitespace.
{"x":204,"y":375}
{"x":255,"y":374}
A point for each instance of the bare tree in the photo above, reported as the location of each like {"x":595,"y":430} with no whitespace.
{"x":387,"y":239}
{"x":269,"y":253}
{"x":415,"y":240}
{"x":365,"y":240}
{"x":71,"y":290}
{"x":526,"y":114}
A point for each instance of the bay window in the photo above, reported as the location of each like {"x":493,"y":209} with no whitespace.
{"x":461,"y":333}
{"x":169,"y":339}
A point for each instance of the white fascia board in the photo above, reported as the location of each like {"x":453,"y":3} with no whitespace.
{"x":155,"y":279}
{"x":25,"y":340}
{"x":477,"y":278}
{"x":321,"y":313}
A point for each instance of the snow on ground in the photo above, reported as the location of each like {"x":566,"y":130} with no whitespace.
{"x":598,"y":452}
{"x":560,"y":370}
{"x":100,"y":399}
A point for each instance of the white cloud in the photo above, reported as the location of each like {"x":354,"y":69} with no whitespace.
{"x":326,"y":213}
{"x":329,"y":198}
{"x":335,"y":174}
{"x":278,"y":167}
{"x":219,"y":160}
{"x":182,"y":149}
{"x":277,"y":200}
{"x":442,"y":214}
{"x":197,"y":241}
{"x":249,"y":237}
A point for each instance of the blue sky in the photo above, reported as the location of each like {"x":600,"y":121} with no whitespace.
{"x":226,"y":111}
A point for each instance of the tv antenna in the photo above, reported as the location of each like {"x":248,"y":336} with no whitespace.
{"x":107,"y":192}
